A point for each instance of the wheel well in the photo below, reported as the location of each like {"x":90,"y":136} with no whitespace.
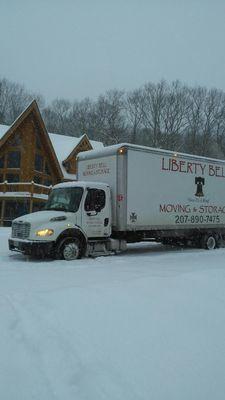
{"x":72,"y":233}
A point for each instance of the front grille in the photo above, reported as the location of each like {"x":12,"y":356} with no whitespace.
{"x":20,"y":230}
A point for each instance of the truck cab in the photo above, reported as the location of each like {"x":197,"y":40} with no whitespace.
{"x":76,"y":218}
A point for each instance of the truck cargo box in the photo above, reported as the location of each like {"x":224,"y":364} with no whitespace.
{"x":154,"y":189}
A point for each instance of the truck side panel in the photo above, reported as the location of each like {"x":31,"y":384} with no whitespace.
{"x":166,"y":192}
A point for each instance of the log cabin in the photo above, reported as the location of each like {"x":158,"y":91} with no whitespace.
{"x":32,"y":160}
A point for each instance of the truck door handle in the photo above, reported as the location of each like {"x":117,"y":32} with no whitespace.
{"x":106,"y":221}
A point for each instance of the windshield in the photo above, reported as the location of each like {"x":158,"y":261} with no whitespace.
{"x":64,"y":199}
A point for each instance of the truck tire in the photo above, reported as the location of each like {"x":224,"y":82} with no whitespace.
{"x":70,"y":249}
{"x":208,"y":242}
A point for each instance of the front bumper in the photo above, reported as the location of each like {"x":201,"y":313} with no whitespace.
{"x":37,"y":248}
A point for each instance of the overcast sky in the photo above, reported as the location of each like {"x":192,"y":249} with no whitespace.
{"x":79,"y":48}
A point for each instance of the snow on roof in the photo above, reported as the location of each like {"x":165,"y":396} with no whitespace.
{"x":64,"y":145}
{"x":96,"y":145}
{"x":23,"y":194}
{"x":66,"y":174}
{"x":3,"y":130}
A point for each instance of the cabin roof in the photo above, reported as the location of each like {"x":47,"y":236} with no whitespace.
{"x":63,"y":146}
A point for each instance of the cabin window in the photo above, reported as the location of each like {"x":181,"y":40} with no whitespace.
{"x":2,"y":162}
{"x":38,"y":141}
{"x":38,"y":162}
{"x":12,"y":178}
{"x":13,"y":159}
{"x":15,"y":208}
{"x":95,"y":200}
{"x":37,"y":179}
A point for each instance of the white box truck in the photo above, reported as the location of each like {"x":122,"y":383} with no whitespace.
{"x":127,"y":193}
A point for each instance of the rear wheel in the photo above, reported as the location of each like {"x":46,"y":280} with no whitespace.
{"x":70,"y":249}
{"x":208,"y":242}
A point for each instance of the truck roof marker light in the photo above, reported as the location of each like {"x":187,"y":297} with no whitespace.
{"x":122,"y":150}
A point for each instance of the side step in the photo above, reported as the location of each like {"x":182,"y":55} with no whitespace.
{"x":106,"y":247}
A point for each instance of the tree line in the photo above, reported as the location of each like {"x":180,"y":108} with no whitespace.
{"x":165,"y":115}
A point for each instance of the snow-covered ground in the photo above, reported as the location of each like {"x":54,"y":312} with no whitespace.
{"x":147,"y":324}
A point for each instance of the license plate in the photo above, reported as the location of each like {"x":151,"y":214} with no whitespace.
{"x":15,"y":243}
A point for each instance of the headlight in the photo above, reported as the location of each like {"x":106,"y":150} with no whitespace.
{"x":44,"y":232}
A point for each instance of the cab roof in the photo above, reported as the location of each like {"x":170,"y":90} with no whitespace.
{"x":83,"y":184}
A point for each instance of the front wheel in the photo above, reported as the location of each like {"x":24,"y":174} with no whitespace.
{"x":70,"y":249}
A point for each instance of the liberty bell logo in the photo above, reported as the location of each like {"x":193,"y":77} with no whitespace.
{"x":199,"y":181}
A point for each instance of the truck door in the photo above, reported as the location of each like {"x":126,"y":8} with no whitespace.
{"x":96,"y":215}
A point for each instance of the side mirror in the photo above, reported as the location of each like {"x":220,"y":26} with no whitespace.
{"x":91,"y":213}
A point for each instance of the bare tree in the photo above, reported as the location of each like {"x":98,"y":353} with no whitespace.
{"x":173,"y":117}
{"x":111,"y":117}
{"x":134,"y":103}
{"x":220,"y":127}
{"x":195,"y":119}
{"x":82,"y":119}
{"x":154,"y":100}
{"x":57,"y":115}
{"x":211,"y":114}
{"x":13,"y":100}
